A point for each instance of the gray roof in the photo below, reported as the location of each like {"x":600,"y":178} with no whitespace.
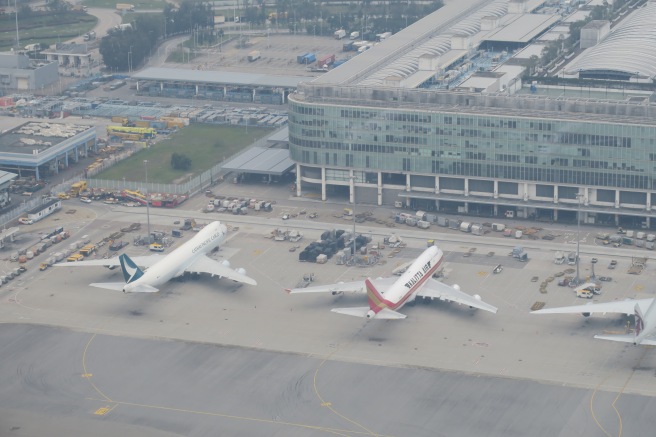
{"x":6,"y":177}
{"x":630,"y":48}
{"x":522,"y":28}
{"x":219,"y":77}
{"x":262,"y":161}
{"x":398,"y":55}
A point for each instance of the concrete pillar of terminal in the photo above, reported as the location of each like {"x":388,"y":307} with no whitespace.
{"x":137,"y":85}
{"x":380,"y":188}
{"x":648,"y":222}
{"x":36,"y":173}
{"x":253,"y":94}
{"x":284,"y":97}
{"x":77,"y":155}
{"x":323,"y":183}
{"x":161,"y":86}
{"x":196,"y":89}
{"x":466,"y":187}
{"x":555,"y":215}
{"x":225,"y":91}
{"x":617,"y":219}
{"x":648,"y":205}
{"x":298,"y":180}
{"x":407,"y":182}
{"x":66,"y":160}
{"x":525,"y":195}
{"x":586,"y":196}
{"x":496,"y":209}
{"x":496,"y":192}
{"x":617,"y":199}
{"x":466,"y":207}
{"x":351,"y":187}
{"x":437,"y":185}
{"x":555,"y":193}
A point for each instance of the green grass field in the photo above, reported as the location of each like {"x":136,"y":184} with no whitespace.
{"x":205,"y":145}
{"x":44,"y":28}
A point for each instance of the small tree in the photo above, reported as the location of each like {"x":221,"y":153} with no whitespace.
{"x":180,"y":161}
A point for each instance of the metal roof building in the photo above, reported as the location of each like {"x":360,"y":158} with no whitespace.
{"x":44,"y":145}
{"x":628,"y":52}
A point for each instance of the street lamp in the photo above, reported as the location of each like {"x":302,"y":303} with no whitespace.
{"x":352,"y":178}
{"x":147,"y":200}
{"x":577,"y":279}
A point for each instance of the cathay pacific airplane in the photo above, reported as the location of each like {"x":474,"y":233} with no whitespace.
{"x":190,"y":257}
{"x":386,"y":295}
{"x":644,"y":311}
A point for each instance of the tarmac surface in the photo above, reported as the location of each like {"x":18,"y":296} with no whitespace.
{"x":206,"y":355}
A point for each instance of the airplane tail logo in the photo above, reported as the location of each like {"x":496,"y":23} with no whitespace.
{"x":376,"y":301}
{"x":639,"y":321}
{"x":131,"y":272}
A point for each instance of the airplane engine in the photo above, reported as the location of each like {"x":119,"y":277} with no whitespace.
{"x":226,"y":263}
{"x":241,"y":270}
{"x":477,"y":297}
{"x":370,"y":314}
{"x":587,"y":314}
{"x":456,"y":286}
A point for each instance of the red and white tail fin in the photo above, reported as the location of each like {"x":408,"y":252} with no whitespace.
{"x":376,"y":300}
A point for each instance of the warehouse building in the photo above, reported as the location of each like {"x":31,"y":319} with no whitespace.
{"x":18,"y":72}
{"x":380,"y":130}
{"x":43,"y":148}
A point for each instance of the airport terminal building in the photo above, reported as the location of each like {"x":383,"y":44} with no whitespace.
{"x":378,"y":129}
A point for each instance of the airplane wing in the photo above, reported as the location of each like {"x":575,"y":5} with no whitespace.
{"x":141,"y":261}
{"x":343,"y":287}
{"x":626,"y":338}
{"x":437,"y":290}
{"x":207,"y":265}
{"x":620,"y":307}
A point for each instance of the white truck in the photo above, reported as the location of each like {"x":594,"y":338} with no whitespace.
{"x":354,"y":35}
{"x":339,"y":34}
{"x":124,"y":7}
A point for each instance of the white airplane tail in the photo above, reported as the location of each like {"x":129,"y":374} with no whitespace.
{"x":635,"y":338}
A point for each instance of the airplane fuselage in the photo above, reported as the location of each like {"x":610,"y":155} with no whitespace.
{"x":175,"y":263}
{"x":406,"y":287}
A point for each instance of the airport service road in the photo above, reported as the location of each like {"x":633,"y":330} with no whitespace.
{"x":61,"y":382}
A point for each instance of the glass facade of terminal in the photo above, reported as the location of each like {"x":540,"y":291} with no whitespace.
{"x":573,"y":151}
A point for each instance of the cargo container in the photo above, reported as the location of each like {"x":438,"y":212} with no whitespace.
{"x":423,"y":224}
{"x":442,"y":221}
{"x":254,"y":56}
{"x":498,"y":227}
{"x":465,"y":227}
{"x":326,"y":61}
{"x":477,"y":229}
{"x":420,"y":215}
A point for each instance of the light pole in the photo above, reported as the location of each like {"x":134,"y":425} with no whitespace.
{"x":352,"y":178}
{"x":147,"y":201}
{"x":577,"y":280}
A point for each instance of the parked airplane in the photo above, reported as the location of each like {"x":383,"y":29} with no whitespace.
{"x":643,"y":309}
{"x":416,"y":282}
{"x":190,"y":257}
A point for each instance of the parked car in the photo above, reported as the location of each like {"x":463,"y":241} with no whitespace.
{"x":25,"y":221}
{"x":605,"y":278}
{"x":85,"y":200}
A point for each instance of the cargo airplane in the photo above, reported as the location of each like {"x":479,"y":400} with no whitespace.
{"x":387,"y":295}
{"x":191,"y":257}
{"x":644,"y":311}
